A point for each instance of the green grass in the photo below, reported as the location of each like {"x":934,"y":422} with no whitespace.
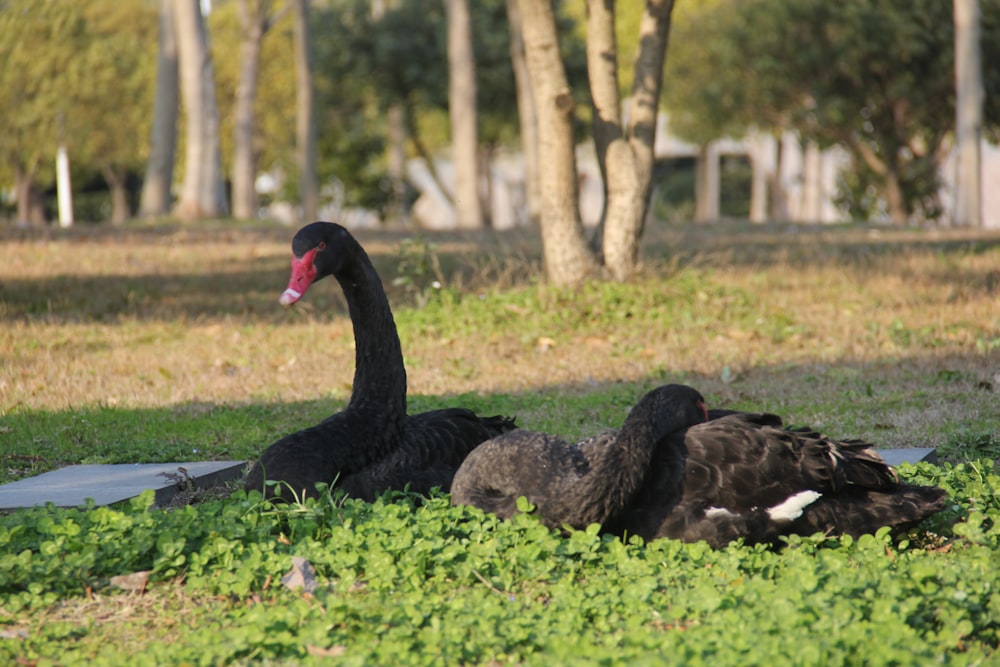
{"x":166,"y":344}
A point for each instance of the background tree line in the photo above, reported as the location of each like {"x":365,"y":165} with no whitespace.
{"x":339,"y":92}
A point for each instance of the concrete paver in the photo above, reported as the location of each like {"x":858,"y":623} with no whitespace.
{"x":108,"y":484}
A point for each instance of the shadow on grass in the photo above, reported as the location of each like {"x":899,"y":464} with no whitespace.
{"x":248,"y":288}
{"x":890,"y":404}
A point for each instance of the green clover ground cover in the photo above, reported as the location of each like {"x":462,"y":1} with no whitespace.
{"x":429,"y":584}
{"x":154,"y":360}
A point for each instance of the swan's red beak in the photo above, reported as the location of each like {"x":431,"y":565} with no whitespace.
{"x":303,"y":275}
{"x":704,"y":410}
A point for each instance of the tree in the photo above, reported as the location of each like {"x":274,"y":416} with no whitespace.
{"x":76,"y":75}
{"x":156,"y":187}
{"x":462,"y":113}
{"x":109,"y":118}
{"x":36,"y":49}
{"x":305,"y":119}
{"x":725,"y":77}
{"x":874,"y":77}
{"x":528,"y":121}
{"x":202,"y":193}
{"x":624,"y":149}
{"x":968,"y":114}
{"x":567,"y":257}
{"x":256,"y":19}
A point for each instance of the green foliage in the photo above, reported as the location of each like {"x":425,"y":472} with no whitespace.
{"x":77,"y":73}
{"x":874,"y":77}
{"x":408,"y":583}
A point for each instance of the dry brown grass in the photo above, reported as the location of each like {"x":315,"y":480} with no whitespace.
{"x":157,"y":317}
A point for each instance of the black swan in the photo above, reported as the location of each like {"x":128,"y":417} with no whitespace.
{"x":576,"y":484}
{"x":746,"y":475}
{"x":372,"y":445}
{"x":726,"y":476}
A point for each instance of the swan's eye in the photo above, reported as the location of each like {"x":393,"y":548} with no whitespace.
{"x":321,"y":246}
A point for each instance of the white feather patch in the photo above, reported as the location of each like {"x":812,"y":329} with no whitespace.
{"x":792,"y":508}
{"x":712,"y":512}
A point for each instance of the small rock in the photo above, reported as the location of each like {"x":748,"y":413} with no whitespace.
{"x":302,"y":575}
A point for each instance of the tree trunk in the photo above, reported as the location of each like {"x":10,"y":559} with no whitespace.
{"x":812,"y":178}
{"x":397,"y":162}
{"x":462,"y":113}
{"x":525,"y":113}
{"x":305,"y":117}
{"x":760,"y":151}
{"x":706,"y":184}
{"x":898,"y":212}
{"x":155,"y":199}
{"x":778,"y":198}
{"x":254,"y":25}
{"x":567,"y":257}
{"x":202,"y":193}
{"x":627,"y":155}
{"x":968,"y":115}
{"x":117,"y":180}
{"x":30,"y":207}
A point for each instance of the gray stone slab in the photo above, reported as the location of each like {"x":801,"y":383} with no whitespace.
{"x":108,"y":484}
{"x":908,"y":455}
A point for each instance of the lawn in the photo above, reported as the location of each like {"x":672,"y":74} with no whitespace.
{"x":167,"y":344}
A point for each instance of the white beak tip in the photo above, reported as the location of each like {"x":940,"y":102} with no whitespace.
{"x":288,"y":297}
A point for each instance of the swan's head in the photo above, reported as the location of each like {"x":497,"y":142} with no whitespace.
{"x":671,"y":407}
{"x":317,"y":251}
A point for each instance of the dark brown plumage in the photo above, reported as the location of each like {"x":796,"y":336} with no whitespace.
{"x":746,"y":476}
{"x":372,"y":445}
{"x":577,"y":484}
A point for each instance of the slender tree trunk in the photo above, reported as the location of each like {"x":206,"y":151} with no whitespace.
{"x":462,"y":113}
{"x":625,"y":153}
{"x":396,"y":134}
{"x":397,"y":161}
{"x":525,"y":113}
{"x":117,"y":180}
{"x":778,"y":198}
{"x":567,"y":256}
{"x":760,"y":150}
{"x":305,"y":118}
{"x":968,"y":115}
{"x":812,"y":177}
{"x":30,"y":208}
{"x":254,"y":24}
{"x":898,"y":212}
{"x":609,"y":135}
{"x":202,"y":193}
{"x":155,"y":199}
{"x":706,"y":183}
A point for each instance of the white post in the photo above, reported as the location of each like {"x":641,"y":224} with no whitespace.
{"x":64,"y":191}
{"x":968,"y":115}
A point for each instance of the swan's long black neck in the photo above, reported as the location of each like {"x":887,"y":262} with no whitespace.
{"x":379,"y":375}
{"x":647,"y":426}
